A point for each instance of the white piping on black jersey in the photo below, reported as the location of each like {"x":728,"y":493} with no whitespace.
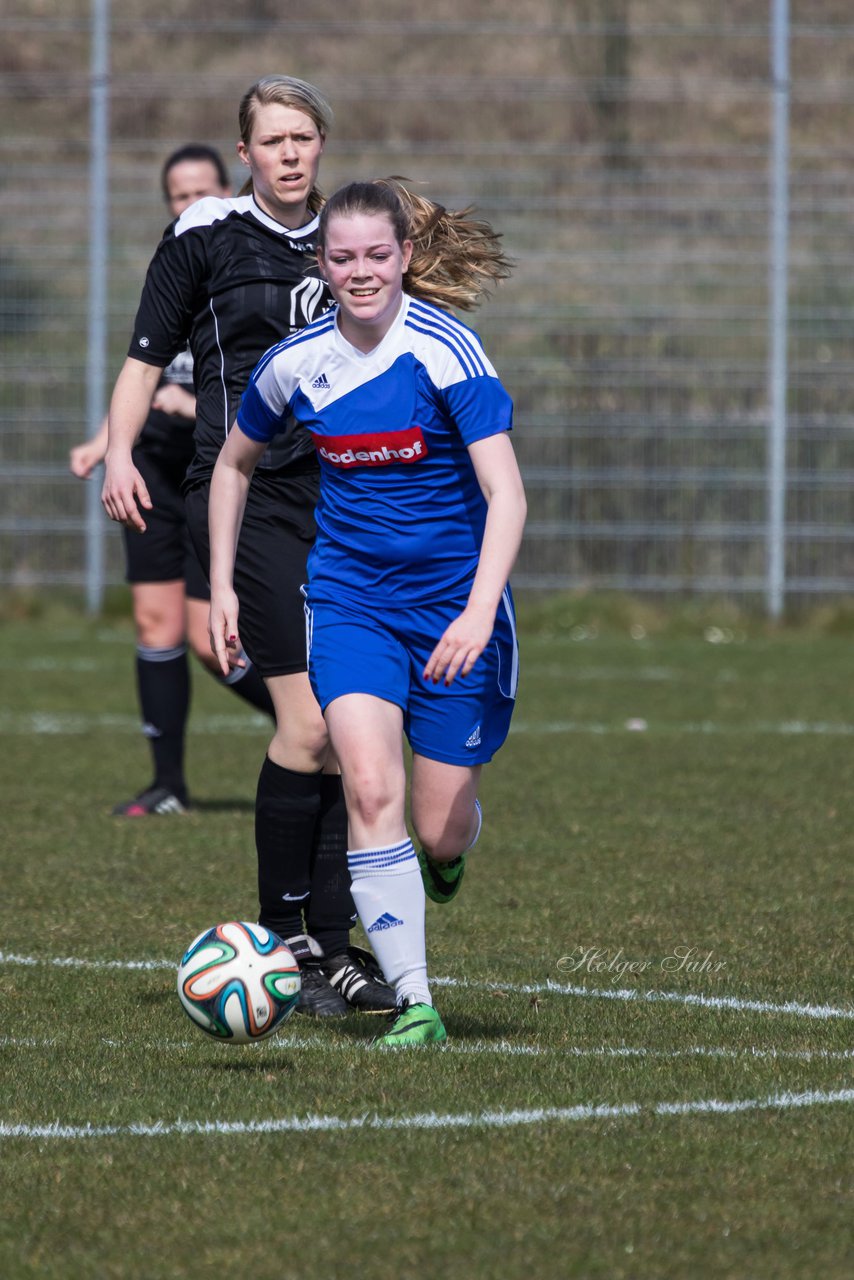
{"x":212,"y":209}
{"x":221,"y":370}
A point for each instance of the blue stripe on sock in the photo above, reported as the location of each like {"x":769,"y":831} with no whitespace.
{"x":366,"y":868}
{"x":364,"y":861}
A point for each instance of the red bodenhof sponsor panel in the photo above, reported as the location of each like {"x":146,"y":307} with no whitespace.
{"x":373,"y":449}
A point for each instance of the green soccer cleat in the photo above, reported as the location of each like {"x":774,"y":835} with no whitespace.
{"x":441,"y":880}
{"x":411,"y":1026}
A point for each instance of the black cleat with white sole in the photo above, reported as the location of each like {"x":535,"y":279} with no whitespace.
{"x":357,"y":977}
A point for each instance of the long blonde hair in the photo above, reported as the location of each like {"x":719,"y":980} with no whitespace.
{"x":457,"y":258}
{"x":285,"y":91}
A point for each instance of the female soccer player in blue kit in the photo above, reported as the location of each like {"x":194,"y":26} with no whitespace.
{"x":409,"y":614}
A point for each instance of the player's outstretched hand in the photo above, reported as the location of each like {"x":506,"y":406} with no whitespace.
{"x":123,"y":494}
{"x":84,"y":458}
{"x":222,"y":627}
{"x":461,"y":645}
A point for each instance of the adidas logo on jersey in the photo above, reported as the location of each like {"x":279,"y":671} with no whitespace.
{"x":321,"y":383}
{"x":385,"y":921}
{"x":473,"y":740}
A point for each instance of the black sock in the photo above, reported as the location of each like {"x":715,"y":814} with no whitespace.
{"x":331,"y":911}
{"x":287,"y":805}
{"x":163,"y":681}
{"x":250,"y":686}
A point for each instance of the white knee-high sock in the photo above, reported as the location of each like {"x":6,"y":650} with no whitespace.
{"x":389,"y":898}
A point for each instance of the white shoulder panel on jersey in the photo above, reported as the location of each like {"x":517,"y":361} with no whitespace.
{"x":211,"y":209}
{"x":448,"y":349}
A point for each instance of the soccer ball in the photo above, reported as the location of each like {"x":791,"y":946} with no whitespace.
{"x":238,"y":982}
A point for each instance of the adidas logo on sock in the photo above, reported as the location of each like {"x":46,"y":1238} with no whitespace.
{"x":385,"y":921}
{"x":321,"y":383}
{"x":473,"y":740}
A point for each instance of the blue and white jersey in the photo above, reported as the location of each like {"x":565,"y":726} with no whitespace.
{"x":401,"y":514}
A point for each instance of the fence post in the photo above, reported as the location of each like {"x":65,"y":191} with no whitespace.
{"x":778,"y":307}
{"x":96,"y":355}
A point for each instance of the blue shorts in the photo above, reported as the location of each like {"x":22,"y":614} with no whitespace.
{"x":362,"y":650}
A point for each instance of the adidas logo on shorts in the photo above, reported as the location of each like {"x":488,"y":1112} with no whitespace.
{"x":473,"y":740}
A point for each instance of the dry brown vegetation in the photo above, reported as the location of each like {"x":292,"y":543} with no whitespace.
{"x":621,"y":146}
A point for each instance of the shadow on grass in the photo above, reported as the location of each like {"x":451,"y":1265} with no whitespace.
{"x":363,"y":1030}
{"x":224,"y":804}
{"x":162,"y":995}
{"x":236,"y":1063}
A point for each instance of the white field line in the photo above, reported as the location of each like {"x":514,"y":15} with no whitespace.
{"x":74,"y":723}
{"x":531,"y":988}
{"x":821,"y":1011}
{"x":430,"y":1120}
{"x":71,"y":723}
{"x":499,"y":1048}
{"x":764,"y":728}
{"x":673,"y":997}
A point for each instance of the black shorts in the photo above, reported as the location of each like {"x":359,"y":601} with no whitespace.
{"x":165,"y":552}
{"x":270,"y":567}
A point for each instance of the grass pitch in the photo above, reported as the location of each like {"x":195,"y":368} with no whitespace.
{"x":646,"y":983}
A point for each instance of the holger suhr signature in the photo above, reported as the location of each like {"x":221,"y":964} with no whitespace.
{"x":614,"y":962}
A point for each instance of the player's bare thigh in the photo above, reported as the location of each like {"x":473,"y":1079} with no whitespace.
{"x":367,"y":738}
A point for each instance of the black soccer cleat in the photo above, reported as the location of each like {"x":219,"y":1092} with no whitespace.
{"x":154,"y":800}
{"x":317,"y":997}
{"x":359,"y":981}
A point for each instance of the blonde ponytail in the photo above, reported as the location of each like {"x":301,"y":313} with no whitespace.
{"x":457,"y":258}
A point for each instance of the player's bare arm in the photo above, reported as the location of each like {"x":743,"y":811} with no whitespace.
{"x":84,"y":458}
{"x":229,"y":487}
{"x":124,"y":490}
{"x":501,"y":484}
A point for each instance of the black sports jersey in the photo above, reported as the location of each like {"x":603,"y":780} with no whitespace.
{"x":232,"y":282}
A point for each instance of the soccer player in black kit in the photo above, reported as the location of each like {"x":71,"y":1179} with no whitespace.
{"x":169,"y":587}
{"x":233,"y":277}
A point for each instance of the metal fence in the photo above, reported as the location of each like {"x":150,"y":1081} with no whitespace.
{"x":627,"y":158}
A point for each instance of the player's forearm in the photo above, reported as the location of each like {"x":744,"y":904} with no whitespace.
{"x":229,"y":489}
{"x":501,"y":484}
{"x":502,"y":538}
{"x":84,"y":457}
{"x":99,"y":440}
{"x":130,"y":405}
